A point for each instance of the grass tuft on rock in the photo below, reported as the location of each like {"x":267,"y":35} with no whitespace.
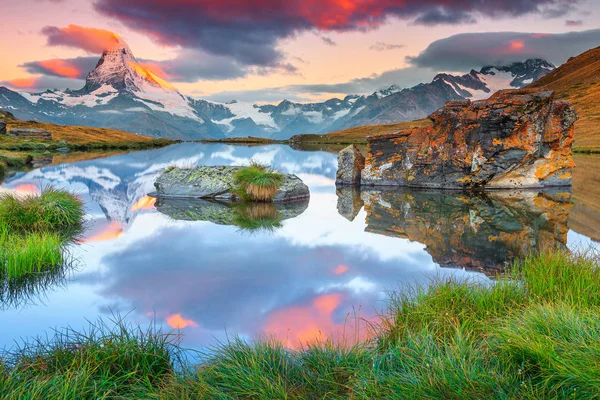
{"x":257,"y":182}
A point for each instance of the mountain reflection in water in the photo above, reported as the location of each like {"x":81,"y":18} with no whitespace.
{"x":305,"y":271}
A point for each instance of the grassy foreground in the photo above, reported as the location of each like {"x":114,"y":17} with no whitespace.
{"x":532,"y":335}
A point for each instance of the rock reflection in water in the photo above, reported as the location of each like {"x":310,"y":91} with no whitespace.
{"x":247,"y":216}
{"x":480,"y":231}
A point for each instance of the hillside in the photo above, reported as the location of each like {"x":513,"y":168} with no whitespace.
{"x":578,"y":80}
{"x":359,"y":133}
{"x":76,"y":137}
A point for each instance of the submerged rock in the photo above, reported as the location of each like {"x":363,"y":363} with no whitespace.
{"x":216,"y":182}
{"x":514,"y":139}
{"x":350,"y":165}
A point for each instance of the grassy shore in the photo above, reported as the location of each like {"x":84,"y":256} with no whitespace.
{"x":76,"y":138}
{"x":18,"y":153}
{"x":34,"y":231}
{"x":532,"y":334}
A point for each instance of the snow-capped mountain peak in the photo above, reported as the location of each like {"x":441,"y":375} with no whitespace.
{"x":121,"y":94}
{"x":118,"y":68}
{"x":482,"y":84}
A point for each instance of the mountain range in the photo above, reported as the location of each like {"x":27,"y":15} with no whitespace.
{"x":121,"y":94}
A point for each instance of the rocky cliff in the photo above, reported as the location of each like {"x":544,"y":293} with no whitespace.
{"x":516,"y":138}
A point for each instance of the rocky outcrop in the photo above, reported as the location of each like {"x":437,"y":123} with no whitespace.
{"x":28,"y":133}
{"x":514,"y":139}
{"x":5,"y":115}
{"x":350,"y":165}
{"x":217,"y":182}
{"x":482,"y":231}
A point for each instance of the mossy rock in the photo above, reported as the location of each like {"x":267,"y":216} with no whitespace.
{"x":217,"y":182}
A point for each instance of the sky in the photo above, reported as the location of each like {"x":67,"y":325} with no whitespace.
{"x":265,"y":51}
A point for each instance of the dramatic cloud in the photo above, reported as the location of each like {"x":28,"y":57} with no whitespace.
{"x":74,"y":68}
{"x":473,"y":50}
{"x":191,"y":66}
{"x":41,"y":83}
{"x":250,"y":30}
{"x":91,"y":40}
{"x":188,"y":66}
{"x":383,"y":46}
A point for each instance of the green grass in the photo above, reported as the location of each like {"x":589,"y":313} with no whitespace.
{"x":257,"y":182}
{"x":532,"y":334}
{"x":34,"y":234}
{"x":114,"y":360}
{"x":15,"y":159}
{"x":53,"y":210}
{"x":32,"y":253}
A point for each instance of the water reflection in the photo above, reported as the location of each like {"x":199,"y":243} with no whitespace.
{"x":250,"y":217}
{"x":480,"y":231}
{"x":33,"y":288}
{"x":188,"y":265}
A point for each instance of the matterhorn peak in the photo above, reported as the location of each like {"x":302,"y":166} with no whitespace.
{"x":119,"y":69}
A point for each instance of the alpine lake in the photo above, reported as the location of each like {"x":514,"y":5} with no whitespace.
{"x":310,"y":270}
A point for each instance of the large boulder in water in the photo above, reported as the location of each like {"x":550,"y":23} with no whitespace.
{"x":514,"y":139}
{"x":217,"y":182}
{"x":350,"y":165}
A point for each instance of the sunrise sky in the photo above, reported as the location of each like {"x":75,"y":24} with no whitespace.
{"x":300,"y":50}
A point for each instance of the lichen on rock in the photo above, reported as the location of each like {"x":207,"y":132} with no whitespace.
{"x":350,"y":165}
{"x":514,"y":139}
{"x":217,"y":182}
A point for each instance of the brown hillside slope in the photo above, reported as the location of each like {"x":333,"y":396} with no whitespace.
{"x":77,"y":137}
{"x":578,"y":80}
{"x":358,"y":134}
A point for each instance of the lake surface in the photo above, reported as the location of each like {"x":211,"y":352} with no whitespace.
{"x":203,"y":268}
